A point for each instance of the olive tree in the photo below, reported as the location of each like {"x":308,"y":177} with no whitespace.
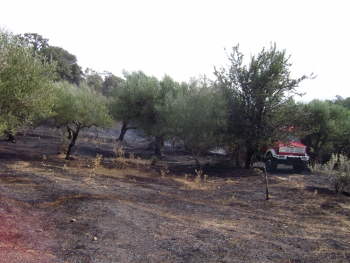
{"x":110,"y":83}
{"x":198,"y":117}
{"x":93,"y":79}
{"x":25,"y":84}
{"x":125,"y":102}
{"x":141,"y":99}
{"x":154,"y":120}
{"x":258,"y":96}
{"x":79,"y":108}
{"x":329,"y":125}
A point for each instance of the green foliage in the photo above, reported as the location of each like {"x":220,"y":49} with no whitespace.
{"x":25,"y":84}
{"x":197,"y":117}
{"x":78,"y":108}
{"x":67,"y":67}
{"x":94,"y":80}
{"x":110,"y":83}
{"x":80,"y":105}
{"x":329,"y":124}
{"x":343,"y":102}
{"x":35,"y":41}
{"x":259,"y":97}
{"x":153,"y":119}
{"x":143,"y":99}
{"x":127,"y":101}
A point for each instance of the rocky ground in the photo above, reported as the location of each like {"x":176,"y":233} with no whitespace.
{"x":109,"y":204}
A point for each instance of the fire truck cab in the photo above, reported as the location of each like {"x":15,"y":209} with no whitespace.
{"x":289,"y":152}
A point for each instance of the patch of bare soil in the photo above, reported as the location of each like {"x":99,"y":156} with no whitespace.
{"x":108,"y":204}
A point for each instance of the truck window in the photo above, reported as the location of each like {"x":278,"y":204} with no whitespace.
{"x":293,"y":138}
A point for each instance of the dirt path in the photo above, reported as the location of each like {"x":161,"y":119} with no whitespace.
{"x":118,"y":209}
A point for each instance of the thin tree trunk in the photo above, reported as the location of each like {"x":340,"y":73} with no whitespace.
{"x":198,"y":163}
{"x":123,"y":131}
{"x":69,"y":133}
{"x":248,"y":159}
{"x":158,"y":145}
{"x":72,"y":143}
{"x":12,"y":138}
{"x":237,"y":157}
{"x":74,"y":138}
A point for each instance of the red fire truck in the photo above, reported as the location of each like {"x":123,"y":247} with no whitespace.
{"x":290,"y":152}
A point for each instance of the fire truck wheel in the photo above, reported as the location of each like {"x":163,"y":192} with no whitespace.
{"x":271,"y":165}
{"x":299,"y":168}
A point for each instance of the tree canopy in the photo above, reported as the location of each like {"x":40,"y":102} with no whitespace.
{"x":258,"y":96}
{"x":198,"y":118}
{"x":35,"y":41}
{"x":26,"y":84}
{"x":142,"y":98}
{"x":93,"y":79}
{"x":67,"y":67}
{"x":328,"y":124}
{"x":110,"y":83}
{"x":343,"y":102}
{"x":79,"y":108}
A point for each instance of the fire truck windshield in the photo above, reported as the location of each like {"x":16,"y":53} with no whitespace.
{"x":293,"y":138}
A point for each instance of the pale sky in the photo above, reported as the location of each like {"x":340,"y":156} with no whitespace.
{"x":186,"y":38}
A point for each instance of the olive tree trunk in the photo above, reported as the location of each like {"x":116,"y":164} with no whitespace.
{"x":70,"y":135}
{"x":158,"y":145}
{"x":73,"y":139}
{"x":196,"y":159}
{"x":124,"y":129}
{"x":12,"y":138}
{"x":248,"y":158}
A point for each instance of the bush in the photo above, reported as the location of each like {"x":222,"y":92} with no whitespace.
{"x":338,"y":170}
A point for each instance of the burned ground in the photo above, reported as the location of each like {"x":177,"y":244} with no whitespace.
{"x":109,"y":204}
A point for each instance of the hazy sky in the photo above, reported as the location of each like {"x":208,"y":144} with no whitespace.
{"x":186,"y":38}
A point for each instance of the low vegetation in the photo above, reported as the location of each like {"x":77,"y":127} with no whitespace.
{"x":338,"y":171}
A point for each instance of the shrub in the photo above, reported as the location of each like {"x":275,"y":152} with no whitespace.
{"x":153,"y":160}
{"x":338,"y":170}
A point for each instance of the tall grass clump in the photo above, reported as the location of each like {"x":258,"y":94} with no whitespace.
{"x":338,"y":170}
